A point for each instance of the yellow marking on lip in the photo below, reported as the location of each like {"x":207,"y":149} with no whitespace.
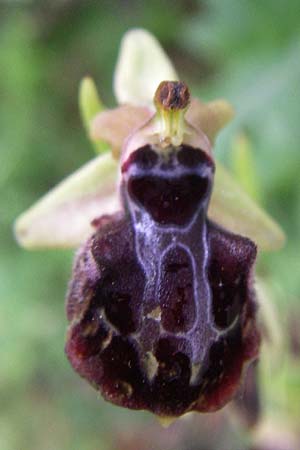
{"x":107,"y":340}
{"x":150,"y":364}
{"x":195,"y":372}
{"x":155,"y":313}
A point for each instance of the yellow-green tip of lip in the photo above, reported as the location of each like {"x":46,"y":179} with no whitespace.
{"x":166,"y":421}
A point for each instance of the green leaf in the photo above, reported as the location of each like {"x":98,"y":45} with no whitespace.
{"x":142,"y":64}
{"x":62,"y":218}
{"x":233,"y":209}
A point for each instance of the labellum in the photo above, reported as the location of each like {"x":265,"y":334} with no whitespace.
{"x":161,"y":303}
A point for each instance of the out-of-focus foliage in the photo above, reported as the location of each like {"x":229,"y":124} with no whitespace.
{"x":247,"y":52}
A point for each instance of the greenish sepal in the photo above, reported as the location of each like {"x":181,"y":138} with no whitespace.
{"x":90,"y":104}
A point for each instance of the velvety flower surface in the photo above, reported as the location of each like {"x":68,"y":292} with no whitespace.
{"x":161,"y":303}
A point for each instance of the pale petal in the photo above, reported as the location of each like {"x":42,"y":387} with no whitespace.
{"x":142,"y":65}
{"x":209,"y":117}
{"x":114,"y":125}
{"x":62,"y":217}
{"x":233,"y":209}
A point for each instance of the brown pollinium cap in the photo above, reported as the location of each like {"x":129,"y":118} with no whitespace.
{"x":172,"y":95}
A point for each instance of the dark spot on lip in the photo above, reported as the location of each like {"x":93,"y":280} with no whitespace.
{"x":144,"y":157}
{"x":229,"y":286}
{"x":176,"y":294}
{"x":169,"y":200}
{"x":191,"y":157}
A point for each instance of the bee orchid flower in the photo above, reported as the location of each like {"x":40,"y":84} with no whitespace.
{"x":161,"y":304}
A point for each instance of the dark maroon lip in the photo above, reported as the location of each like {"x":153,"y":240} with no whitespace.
{"x":151,"y":343}
{"x":161,"y":306}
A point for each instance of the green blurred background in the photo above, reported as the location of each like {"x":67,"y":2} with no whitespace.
{"x":245,"y":51}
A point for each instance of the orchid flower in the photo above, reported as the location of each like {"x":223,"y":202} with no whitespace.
{"x":161,"y":304}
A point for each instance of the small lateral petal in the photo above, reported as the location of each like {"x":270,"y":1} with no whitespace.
{"x":114,"y":125}
{"x":234,"y":210}
{"x":209,"y":117}
{"x":62,"y":218}
{"x":142,"y":64}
